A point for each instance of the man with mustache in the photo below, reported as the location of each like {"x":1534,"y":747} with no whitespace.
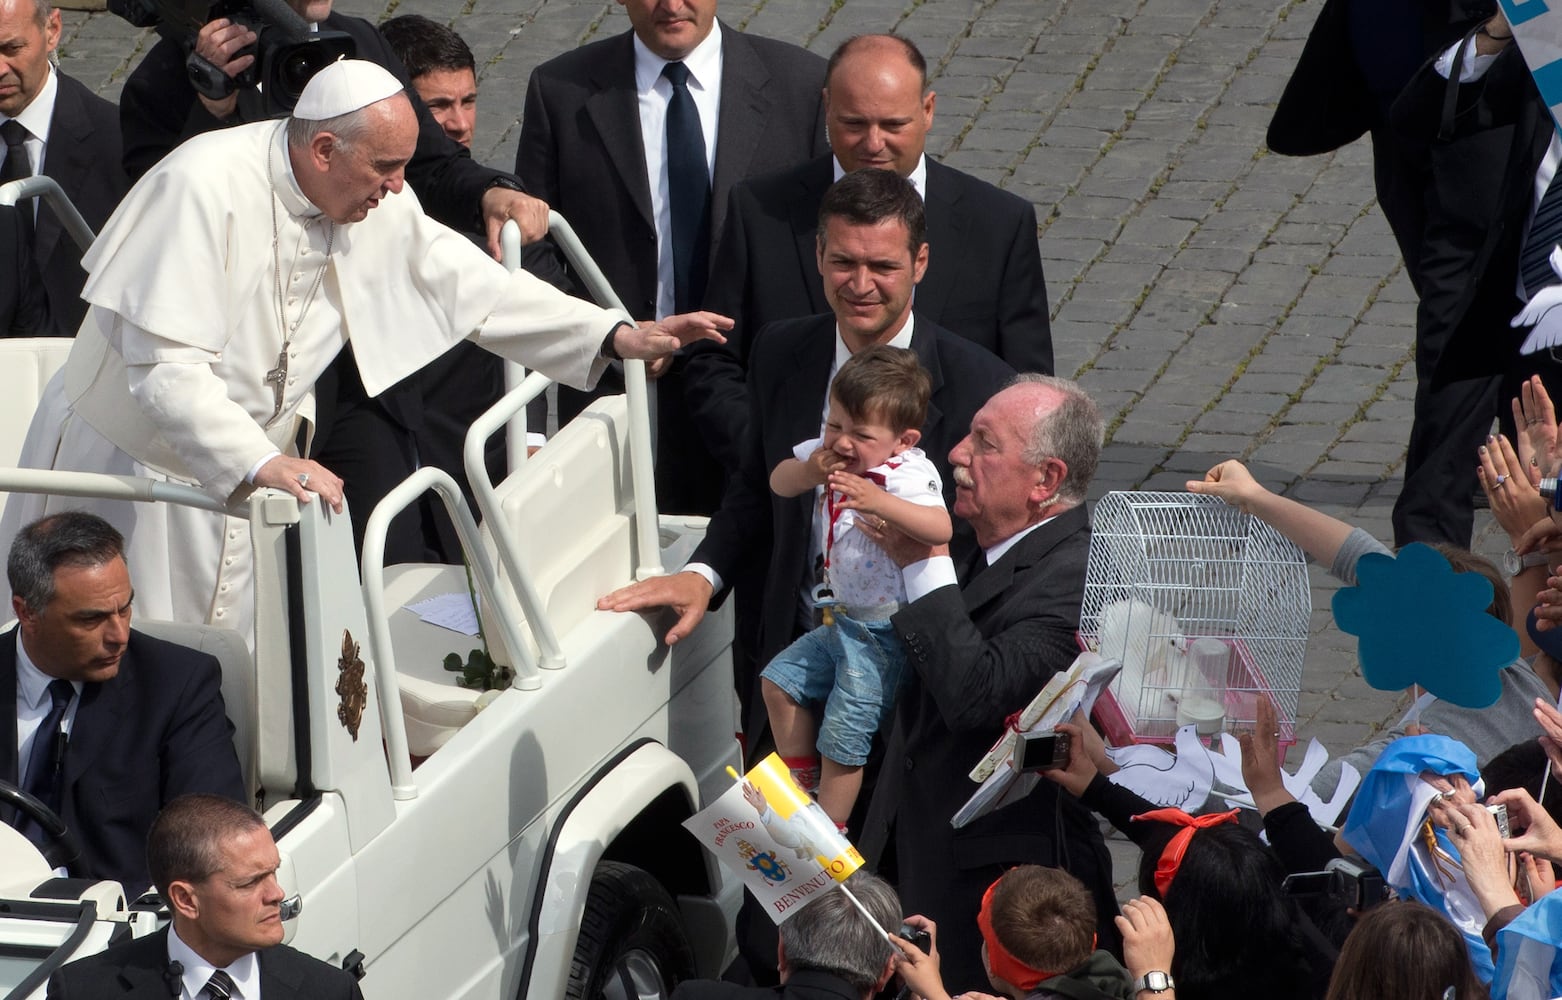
{"x":110,"y":723}
{"x":983,"y":635}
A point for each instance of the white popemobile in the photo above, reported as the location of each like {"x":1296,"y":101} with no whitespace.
{"x":440,"y":841}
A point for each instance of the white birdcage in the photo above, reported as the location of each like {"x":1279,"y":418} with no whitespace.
{"x":1206,"y":607}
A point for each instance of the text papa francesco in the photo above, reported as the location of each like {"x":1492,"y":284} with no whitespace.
{"x":727,"y":827}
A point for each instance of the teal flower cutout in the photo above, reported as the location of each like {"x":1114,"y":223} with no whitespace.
{"x":1419,"y":622}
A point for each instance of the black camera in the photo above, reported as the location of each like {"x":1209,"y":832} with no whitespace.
{"x":1042,"y":751}
{"x":287,"y":54}
{"x":917,"y":936}
{"x":1345,"y":882}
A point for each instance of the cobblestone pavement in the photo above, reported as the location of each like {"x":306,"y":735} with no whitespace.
{"x":1218,"y":300}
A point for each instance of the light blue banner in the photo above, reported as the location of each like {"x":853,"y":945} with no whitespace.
{"x":1537,"y":25}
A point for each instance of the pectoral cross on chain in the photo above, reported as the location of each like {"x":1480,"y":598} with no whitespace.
{"x":277,"y":379}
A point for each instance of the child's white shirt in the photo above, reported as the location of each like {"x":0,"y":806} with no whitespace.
{"x":860,"y":572}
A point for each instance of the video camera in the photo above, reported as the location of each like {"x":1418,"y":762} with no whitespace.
{"x":1344,"y":882}
{"x":287,"y":54}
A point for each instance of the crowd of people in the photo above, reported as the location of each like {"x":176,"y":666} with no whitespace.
{"x":853,"y":373}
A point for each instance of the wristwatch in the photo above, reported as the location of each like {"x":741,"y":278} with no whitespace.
{"x":1154,"y":981}
{"x":1513,"y":564}
{"x":504,"y":181}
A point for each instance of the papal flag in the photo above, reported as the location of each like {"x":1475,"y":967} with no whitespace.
{"x":776,"y":839}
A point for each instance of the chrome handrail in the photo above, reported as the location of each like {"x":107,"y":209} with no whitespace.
{"x":41,"y":186}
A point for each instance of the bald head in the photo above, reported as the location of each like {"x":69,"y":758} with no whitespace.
{"x":347,"y":164}
{"x":878,"y":107}
{"x":29,"y":33}
{"x":1065,"y":424}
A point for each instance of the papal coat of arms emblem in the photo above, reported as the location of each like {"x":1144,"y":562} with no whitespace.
{"x":765,"y":862}
{"x":350,"y":686}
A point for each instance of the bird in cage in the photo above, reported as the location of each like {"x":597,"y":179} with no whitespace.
{"x":1154,"y":652}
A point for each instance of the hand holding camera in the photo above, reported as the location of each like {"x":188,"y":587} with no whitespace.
{"x":1477,"y":831}
{"x":1540,"y":834}
{"x":917,"y":963}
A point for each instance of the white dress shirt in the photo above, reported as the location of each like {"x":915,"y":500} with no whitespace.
{"x":245,"y":972}
{"x":33,"y":704}
{"x":922,"y":578}
{"x":655,"y":93}
{"x":918,"y":176}
{"x":35,"y":118}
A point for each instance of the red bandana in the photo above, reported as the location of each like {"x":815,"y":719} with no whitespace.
{"x":1002,"y":963}
{"x":1171,"y":857}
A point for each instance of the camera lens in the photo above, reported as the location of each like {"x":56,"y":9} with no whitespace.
{"x":295,"y":68}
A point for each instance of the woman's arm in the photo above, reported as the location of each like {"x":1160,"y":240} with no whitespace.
{"x":1318,"y":534}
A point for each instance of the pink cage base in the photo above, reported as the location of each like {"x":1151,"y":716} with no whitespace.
{"x":1244,"y":684}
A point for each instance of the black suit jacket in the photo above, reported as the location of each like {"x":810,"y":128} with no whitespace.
{"x":787,"y":386}
{"x":24,"y":310}
{"x":1338,"y":92}
{"x":581,"y":151}
{"x":1478,"y":204}
{"x":135,"y":971}
{"x":154,"y":732}
{"x":983,"y":280}
{"x":804,"y":984}
{"x":978,"y":653}
{"x":83,"y":157}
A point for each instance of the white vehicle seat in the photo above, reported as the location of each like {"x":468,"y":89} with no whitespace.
{"x":238,"y":679}
{"x":28,"y":363}
{"x":575,"y":541}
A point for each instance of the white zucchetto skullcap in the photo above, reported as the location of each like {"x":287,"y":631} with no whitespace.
{"x":343,"y":87}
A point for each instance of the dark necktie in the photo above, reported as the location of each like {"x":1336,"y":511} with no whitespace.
{"x":688,"y":191}
{"x":219,"y":986}
{"x":17,"y":166}
{"x":974,"y":566}
{"x":42,"y":780}
{"x":1544,"y":234}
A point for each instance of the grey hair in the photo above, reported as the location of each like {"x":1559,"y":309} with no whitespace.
{"x":829,"y":935}
{"x":1072,"y":433}
{"x":41,"y":11}
{"x":349,"y":129}
{"x":69,"y":538}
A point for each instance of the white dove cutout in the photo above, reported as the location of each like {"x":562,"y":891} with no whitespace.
{"x":1540,"y":313}
{"x":1181,"y":782}
{"x":1228,"y":772}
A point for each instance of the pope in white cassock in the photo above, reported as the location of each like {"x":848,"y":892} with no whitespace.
{"x":228,"y":280}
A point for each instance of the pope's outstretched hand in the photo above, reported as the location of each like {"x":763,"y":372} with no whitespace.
{"x":650,"y":341}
